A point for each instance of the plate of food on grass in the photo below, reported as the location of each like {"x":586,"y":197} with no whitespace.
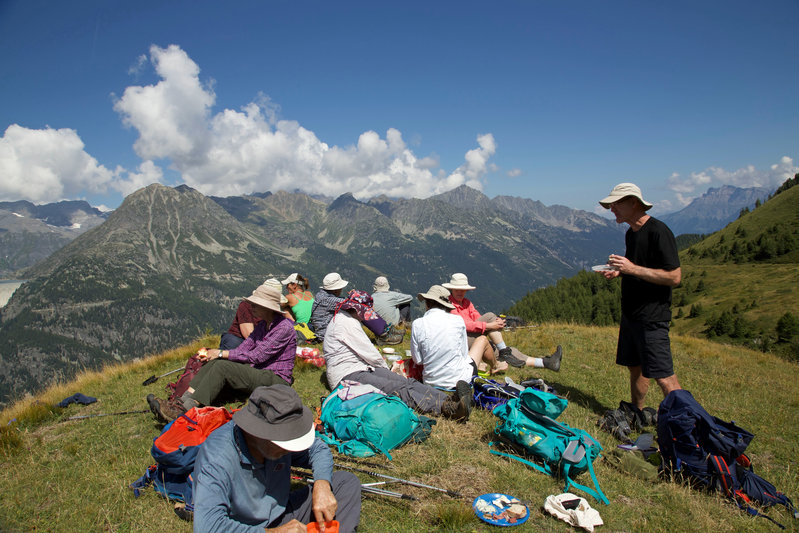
{"x":500,"y":509}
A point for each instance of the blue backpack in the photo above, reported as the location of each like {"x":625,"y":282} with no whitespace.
{"x":528,"y":425}
{"x":175,"y":451}
{"x":371,"y":423}
{"x":709,"y":452}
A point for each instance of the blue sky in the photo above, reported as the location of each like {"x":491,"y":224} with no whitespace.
{"x":551,"y":100}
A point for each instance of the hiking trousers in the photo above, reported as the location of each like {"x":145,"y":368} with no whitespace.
{"x":416,"y":395}
{"x":219,"y":374}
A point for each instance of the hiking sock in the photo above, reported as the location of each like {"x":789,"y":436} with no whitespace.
{"x":538,"y":362}
{"x":187,"y":402}
{"x":553,"y":361}
{"x":501,"y":345}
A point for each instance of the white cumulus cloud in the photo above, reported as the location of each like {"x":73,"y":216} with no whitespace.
{"x":249,"y":150}
{"x":47,"y":165}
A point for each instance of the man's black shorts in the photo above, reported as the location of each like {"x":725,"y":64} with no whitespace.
{"x":645,"y":344}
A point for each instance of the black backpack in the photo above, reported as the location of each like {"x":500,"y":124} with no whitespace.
{"x":709,"y":452}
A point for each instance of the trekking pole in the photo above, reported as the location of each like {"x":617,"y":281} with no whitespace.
{"x":368,"y":488}
{"x":81,"y":417}
{"x":152,"y":379}
{"x":398,"y":480}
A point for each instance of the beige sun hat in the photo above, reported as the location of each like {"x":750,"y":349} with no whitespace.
{"x":438,"y":294}
{"x":458,"y":281}
{"x":333,"y":281}
{"x":381,"y":284}
{"x":276,"y":284}
{"x":623,"y":190}
{"x":266,"y":296}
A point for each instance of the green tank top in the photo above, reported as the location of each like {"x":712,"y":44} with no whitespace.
{"x":302,"y":310}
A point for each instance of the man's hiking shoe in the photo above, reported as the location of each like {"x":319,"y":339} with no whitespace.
{"x":639,"y":418}
{"x":163,"y":410}
{"x":463,"y":392}
{"x":553,"y":361}
{"x":615,"y":423}
{"x":506,"y":354}
{"x":394,"y":335}
{"x":459,"y":405}
{"x":650,"y":416}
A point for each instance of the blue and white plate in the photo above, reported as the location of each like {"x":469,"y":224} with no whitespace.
{"x":492,"y":508}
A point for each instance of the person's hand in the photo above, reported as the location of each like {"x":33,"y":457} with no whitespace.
{"x":295,"y":526}
{"x":324,"y":502}
{"x":496,"y":325}
{"x":209,"y":355}
{"x":621,"y":264}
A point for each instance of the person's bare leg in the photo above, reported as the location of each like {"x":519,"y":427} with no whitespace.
{"x":639,"y":385}
{"x":668,"y":384}
{"x":482,"y":351}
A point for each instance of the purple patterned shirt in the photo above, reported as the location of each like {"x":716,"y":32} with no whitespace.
{"x":269,"y":348}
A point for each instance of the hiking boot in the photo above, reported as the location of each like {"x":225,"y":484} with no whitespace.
{"x":394,"y":335}
{"x":506,"y":354}
{"x":553,"y":361}
{"x":615,"y":423}
{"x":163,"y":410}
{"x":634,"y":416}
{"x":463,"y":392}
{"x":650,"y":417}
{"x":456,"y":408}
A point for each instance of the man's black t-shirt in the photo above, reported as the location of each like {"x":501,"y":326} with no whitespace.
{"x":652,"y":246}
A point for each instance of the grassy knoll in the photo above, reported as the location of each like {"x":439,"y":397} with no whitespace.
{"x":72,"y":475}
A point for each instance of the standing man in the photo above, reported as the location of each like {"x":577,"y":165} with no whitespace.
{"x":649,"y":268}
{"x":242,"y":476}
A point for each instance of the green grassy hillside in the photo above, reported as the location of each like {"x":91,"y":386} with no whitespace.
{"x":61,"y":475}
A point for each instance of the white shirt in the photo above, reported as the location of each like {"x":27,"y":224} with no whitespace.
{"x":347,"y":349}
{"x":438,"y":341}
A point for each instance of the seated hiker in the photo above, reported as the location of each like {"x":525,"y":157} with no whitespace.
{"x":325,"y":302}
{"x":266,"y":357}
{"x":242,"y":475}
{"x":350,"y":355}
{"x":300,"y":299}
{"x":394,"y":307}
{"x":491,"y":326}
{"x":438,"y":342}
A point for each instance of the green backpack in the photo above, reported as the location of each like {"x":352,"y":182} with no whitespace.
{"x":371,"y":423}
{"x":528,"y":424}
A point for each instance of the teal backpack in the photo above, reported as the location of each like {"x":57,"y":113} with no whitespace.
{"x":528,"y":424}
{"x":371,"y":423}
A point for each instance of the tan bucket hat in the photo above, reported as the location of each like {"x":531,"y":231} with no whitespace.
{"x":438,"y":294}
{"x":333,"y":281}
{"x":623,"y":190}
{"x":266,"y":296}
{"x":458,"y":281}
{"x":381,"y":284}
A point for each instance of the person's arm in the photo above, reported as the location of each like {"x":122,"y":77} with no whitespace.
{"x":263,"y":350}
{"x":658,"y":276}
{"x":320,"y":460}
{"x":357,"y":341}
{"x":212,"y":500}
{"x":246,"y":329}
{"x":472,"y":324}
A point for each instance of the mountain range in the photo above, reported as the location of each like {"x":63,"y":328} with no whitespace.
{"x":30,"y":233}
{"x":171,"y":263}
{"x":715,"y":209}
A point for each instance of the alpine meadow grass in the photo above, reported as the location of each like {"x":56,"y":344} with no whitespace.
{"x":73,"y":475}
